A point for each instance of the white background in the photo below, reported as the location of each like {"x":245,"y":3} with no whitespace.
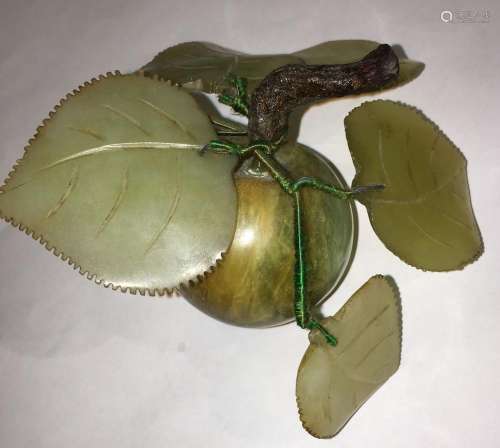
{"x":83,"y":366}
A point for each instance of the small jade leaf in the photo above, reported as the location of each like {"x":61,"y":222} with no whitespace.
{"x":348,"y":51}
{"x":334,"y":382}
{"x":424,"y":214}
{"x":113,"y":181}
{"x":204,"y":66}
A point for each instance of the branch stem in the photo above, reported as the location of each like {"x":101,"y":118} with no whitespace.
{"x":295,"y":85}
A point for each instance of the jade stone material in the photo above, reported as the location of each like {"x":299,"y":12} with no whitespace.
{"x":253,"y":285}
{"x":424,"y":214}
{"x":332,"y":384}
{"x":113,"y":183}
{"x":203,"y":65}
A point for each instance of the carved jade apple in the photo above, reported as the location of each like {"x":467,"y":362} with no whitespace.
{"x":253,"y":285}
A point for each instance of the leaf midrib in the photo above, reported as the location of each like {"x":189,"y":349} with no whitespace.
{"x":113,"y":147}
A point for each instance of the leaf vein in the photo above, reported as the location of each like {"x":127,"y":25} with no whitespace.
{"x":170,"y":214}
{"x":87,"y":131}
{"x":451,"y":218}
{"x":381,"y":157}
{"x":424,"y":196}
{"x":365,"y":328}
{"x":117,"y":203}
{"x":69,"y":189}
{"x":373,"y":348}
{"x":126,"y":117}
{"x":164,"y":114}
{"x":427,"y":234}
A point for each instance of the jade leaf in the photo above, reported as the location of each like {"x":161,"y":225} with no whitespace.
{"x":113,"y":182}
{"x":204,"y":66}
{"x":424,"y":214}
{"x":334,"y":382}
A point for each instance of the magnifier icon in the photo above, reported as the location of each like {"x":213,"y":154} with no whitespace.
{"x":446,"y":16}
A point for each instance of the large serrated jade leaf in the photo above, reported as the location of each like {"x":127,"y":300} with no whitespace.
{"x":424,"y":214}
{"x":114,"y":182}
{"x":334,"y":382}
{"x":204,"y":66}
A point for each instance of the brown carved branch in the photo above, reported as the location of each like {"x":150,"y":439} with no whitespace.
{"x":296,"y":85}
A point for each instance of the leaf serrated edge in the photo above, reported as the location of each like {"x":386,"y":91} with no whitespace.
{"x":399,"y":310}
{"x":358,"y":167}
{"x":155,"y":292}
